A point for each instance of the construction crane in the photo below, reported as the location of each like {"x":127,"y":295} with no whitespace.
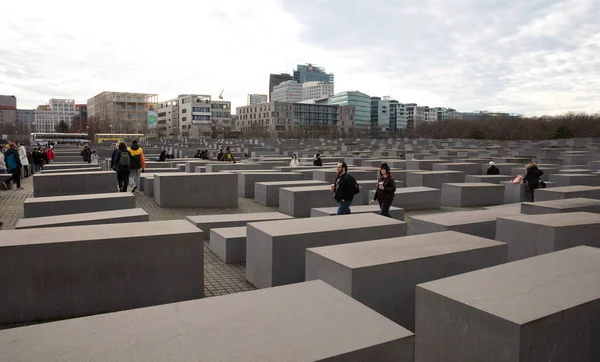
{"x":221,"y":95}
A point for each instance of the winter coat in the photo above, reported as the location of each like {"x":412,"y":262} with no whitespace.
{"x":532,"y":178}
{"x":12,"y":159}
{"x":388,"y":192}
{"x":137,"y":158}
{"x":345,"y":186}
{"x":2,"y":163}
{"x":493,"y":170}
{"x":23,"y":156}
{"x":94,"y":158}
{"x":118,"y":157}
{"x":318,"y":162}
{"x":86,"y":154}
{"x":294,"y":162}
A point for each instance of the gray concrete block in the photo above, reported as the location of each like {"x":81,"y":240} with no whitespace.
{"x":395,"y":212}
{"x":63,"y":184}
{"x":302,"y":322}
{"x":74,"y":271}
{"x":148,"y":182}
{"x":480,"y":223}
{"x":297,"y":201}
{"x":72,"y":170}
{"x":329,"y":175}
{"x":504,"y":167}
{"x":229,"y":244}
{"x":219,"y":221}
{"x":468,"y":168}
{"x":267,"y":193}
{"x":200,"y":169}
{"x":418,"y":198}
{"x":539,"y":309}
{"x":433,"y":179}
{"x":62,"y":205}
{"x":226,"y":166}
{"x":558,"y":206}
{"x":573,"y":179}
{"x":67,"y":166}
{"x":216,"y":190}
{"x":427,"y":165}
{"x":532,"y":235}
{"x":491,"y":179}
{"x":248,"y":180}
{"x":275,"y":250}
{"x":88,"y":218}
{"x":569,"y":192}
{"x":472,"y":194}
{"x":518,"y":192}
{"x":382,"y":274}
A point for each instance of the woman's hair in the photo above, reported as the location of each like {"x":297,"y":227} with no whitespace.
{"x":384,"y":166}
{"x":122,"y":144}
{"x":294,"y":156}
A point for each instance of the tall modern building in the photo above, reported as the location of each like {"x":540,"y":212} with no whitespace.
{"x":380,"y":114}
{"x":123,"y":112}
{"x":397,"y":115}
{"x":80,"y":120}
{"x":253,"y":99}
{"x":276,"y":79}
{"x":362,"y":107}
{"x":8,"y":102}
{"x":289,"y":91}
{"x":317,"y":90}
{"x":310,"y":73}
{"x":193,"y":115}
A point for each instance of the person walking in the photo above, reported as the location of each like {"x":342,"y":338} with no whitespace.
{"x":294,"y":162}
{"x":86,"y":154}
{"x":228,"y":156}
{"x":95,"y":159}
{"x":36,"y":157}
{"x":220,"y":155}
{"x":50,"y":153}
{"x":344,"y":189}
{"x":138,"y":164}
{"x":13,"y":161}
{"x":317,"y":160}
{"x":386,"y":190}
{"x":122,"y":164}
{"x":532,"y":178}
{"x":23,"y":157}
{"x":493,"y":170}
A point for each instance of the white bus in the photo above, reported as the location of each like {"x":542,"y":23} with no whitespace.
{"x":42,"y":139}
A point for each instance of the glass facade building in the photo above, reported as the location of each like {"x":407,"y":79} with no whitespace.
{"x":361,"y":103}
{"x":310,"y":73}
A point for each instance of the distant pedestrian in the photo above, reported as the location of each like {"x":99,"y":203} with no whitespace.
{"x":23,"y":157}
{"x":36,"y":157}
{"x":163,"y":156}
{"x":220,"y":155}
{"x":122,"y":164}
{"x":386,"y":190}
{"x":493,"y":170}
{"x":13,"y":162}
{"x":294,"y":162}
{"x":533,"y":178}
{"x":94,"y":158}
{"x":3,"y":170}
{"x":170,"y":155}
{"x":50,"y":153}
{"x":86,"y":154}
{"x":344,"y":189}
{"x":138,"y":164}
{"x":317,"y":160}
{"x":199,"y":153}
{"x":228,"y":156}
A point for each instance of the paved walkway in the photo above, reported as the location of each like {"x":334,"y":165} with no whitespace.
{"x":219,"y":278}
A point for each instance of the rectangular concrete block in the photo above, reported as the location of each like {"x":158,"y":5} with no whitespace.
{"x":569,"y":192}
{"x":225,"y":166}
{"x":74,"y":271}
{"x":148,"y":182}
{"x":423,"y":164}
{"x":297,"y":201}
{"x":491,"y":179}
{"x":433,"y":179}
{"x":558,"y":206}
{"x":275,"y":250}
{"x":532,"y":235}
{"x":89,"y":218}
{"x":216,"y":190}
{"x":304,"y":322}
{"x":468,"y":168}
{"x":72,"y":170}
{"x":395,"y":212}
{"x":575,"y":179}
{"x":418,"y":198}
{"x":67,"y":166}
{"x":267,"y":193}
{"x":504,"y":167}
{"x":63,"y":205}
{"x":329,"y":175}
{"x":208,"y":222}
{"x":77,"y":183}
{"x":248,"y":180}
{"x":229,"y":244}
{"x":519,"y":192}
{"x":538,"y":309}
{"x":382,"y":274}
{"x":472,"y":194}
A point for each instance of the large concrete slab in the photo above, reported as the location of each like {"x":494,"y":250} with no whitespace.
{"x":329,"y":175}
{"x":248,"y":180}
{"x":468,"y":168}
{"x":539,"y":309}
{"x":558,"y":206}
{"x":67,"y":166}
{"x":73,"y":170}
{"x":229,"y":244}
{"x":89,"y":218}
{"x":569,"y":192}
{"x":417,"y":198}
{"x":63,"y":205}
{"x":208,"y":222}
{"x":74,"y":271}
{"x":472,"y":194}
{"x":532,"y":235}
{"x":395,"y":212}
{"x":423,"y":164}
{"x":573,"y":179}
{"x":267,"y":193}
{"x":215,"y":190}
{"x":382,"y":274}
{"x":297,"y":201}
{"x":302,"y":322}
{"x":275,"y":250}
{"x":433,"y":179}
{"x":76,"y":183}
{"x":491,"y":179}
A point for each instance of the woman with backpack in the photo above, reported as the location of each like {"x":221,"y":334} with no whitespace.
{"x":386,"y":190}
{"x":122,"y":164}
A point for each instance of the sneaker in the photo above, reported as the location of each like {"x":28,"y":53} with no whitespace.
{"x":134,"y":188}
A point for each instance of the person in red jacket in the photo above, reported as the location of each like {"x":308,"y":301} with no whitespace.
{"x":50,"y":154}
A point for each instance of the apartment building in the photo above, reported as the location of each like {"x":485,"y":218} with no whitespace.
{"x":380,"y":114}
{"x":195,"y":116}
{"x":63,"y":110}
{"x":43,"y":119}
{"x":317,"y":90}
{"x":362,"y":108}
{"x":253,"y":99}
{"x":276,"y":79}
{"x":123,"y":112}
{"x":289,"y":91}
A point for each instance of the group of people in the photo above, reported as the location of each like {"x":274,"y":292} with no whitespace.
{"x":89,"y":156}
{"x":129,"y":163}
{"x":164,"y":155}
{"x":17,"y":160}
{"x":532,"y":177}
{"x":226,"y":155}
{"x":202,"y":154}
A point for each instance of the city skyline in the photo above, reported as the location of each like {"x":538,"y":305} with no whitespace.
{"x":540,"y":61}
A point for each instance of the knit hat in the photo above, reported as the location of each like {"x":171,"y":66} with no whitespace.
{"x":492,"y":163}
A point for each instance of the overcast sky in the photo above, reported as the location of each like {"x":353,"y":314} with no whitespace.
{"x":524,"y":56}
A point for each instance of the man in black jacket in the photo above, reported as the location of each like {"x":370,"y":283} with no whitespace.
{"x":493,"y":170}
{"x":344,"y":189}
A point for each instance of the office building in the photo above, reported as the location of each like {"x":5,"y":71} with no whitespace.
{"x":310,"y":73}
{"x":362,"y":108}
{"x":8,"y":115}
{"x":43,"y":119}
{"x":317,"y":90}
{"x":276,"y":79}
{"x":289,"y":91}
{"x":397,"y":115}
{"x":298,"y":120}
{"x":25,"y":122}
{"x":194,"y":116}
{"x":8,"y":102}
{"x":63,"y":110}
{"x":123,"y":112}
{"x":80,"y":119}
{"x":253,"y":99}
{"x":380,"y":114}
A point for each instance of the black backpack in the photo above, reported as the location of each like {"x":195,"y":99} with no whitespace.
{"x":125,"y":160}
{"x":136,"y":162}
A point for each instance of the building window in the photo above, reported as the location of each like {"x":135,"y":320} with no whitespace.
{"x":184,"y":110}
{"x":201,"y":118}
{"x":184,"y":119}
{"x":128,"y":99}
{"x":139,"y":99}
{"x":200,"y":109}
{"x":128,"y":115}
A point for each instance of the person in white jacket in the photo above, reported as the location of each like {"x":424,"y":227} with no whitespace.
{"x":2,"y":164}
{"x":94,"y":158}
{"x":294,"y":162}
{"x":23,"y":158}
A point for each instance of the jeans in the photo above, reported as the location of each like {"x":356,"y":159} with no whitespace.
{"x":532,"y":190}
{"x":123,"y":178}
{"x":16,"y":177}
{"x":134,"y":177}
{"x":385,"y":208}
{"x":344,"y":208}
